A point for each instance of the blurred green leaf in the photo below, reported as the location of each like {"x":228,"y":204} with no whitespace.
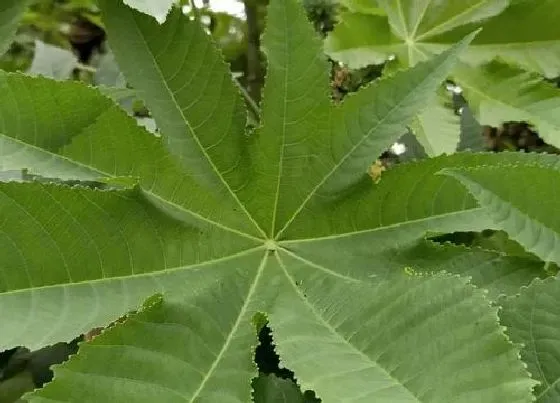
{"x":10,"y":13}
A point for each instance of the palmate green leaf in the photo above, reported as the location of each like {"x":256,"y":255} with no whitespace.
{"x":523,"y":202}
{"x":533,"y":319}
{"x":415,"y":29}
{"x":419,"y":29}
{"x":10,"y":14}
{"x":227,"y":226}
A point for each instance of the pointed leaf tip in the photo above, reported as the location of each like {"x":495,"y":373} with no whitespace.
{"x":463,"y":43}
{"x":507,"y":193}
{"x":159,"y":9}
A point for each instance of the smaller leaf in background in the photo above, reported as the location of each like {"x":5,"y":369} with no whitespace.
{"x":362,"y":6}
{"x":156,"y":8}
{"x":470,"y":137}
{"x":498,"y":92}
{"x":533,"y":320}
{"x":525,"y":34}
{"x":520,"y":32}
{"x":272,"y":389}
{"x":10,"y":14}
{"x":522,"y":199}
{"x":371,"y":46}
{"x":52,"y":61}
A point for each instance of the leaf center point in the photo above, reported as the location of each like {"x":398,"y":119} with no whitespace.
{"x":270,"y":245}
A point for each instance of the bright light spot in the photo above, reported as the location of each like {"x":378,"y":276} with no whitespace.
{"x":205,"y":19}
{"x":453,"y":88}
{"x":391,"y":57}
{"x":232,"y":7}
{"x":398,"y":148}
{"x":460,"y":110}
{"x":160,"y":18}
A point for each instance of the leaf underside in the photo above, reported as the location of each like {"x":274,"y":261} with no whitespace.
{"x":224,"y":225}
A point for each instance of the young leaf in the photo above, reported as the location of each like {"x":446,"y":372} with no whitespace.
{"x":523,"y":202}
{"x":533,"y":320}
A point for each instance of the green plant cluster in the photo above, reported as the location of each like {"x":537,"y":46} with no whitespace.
{"x":168,"y":251}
